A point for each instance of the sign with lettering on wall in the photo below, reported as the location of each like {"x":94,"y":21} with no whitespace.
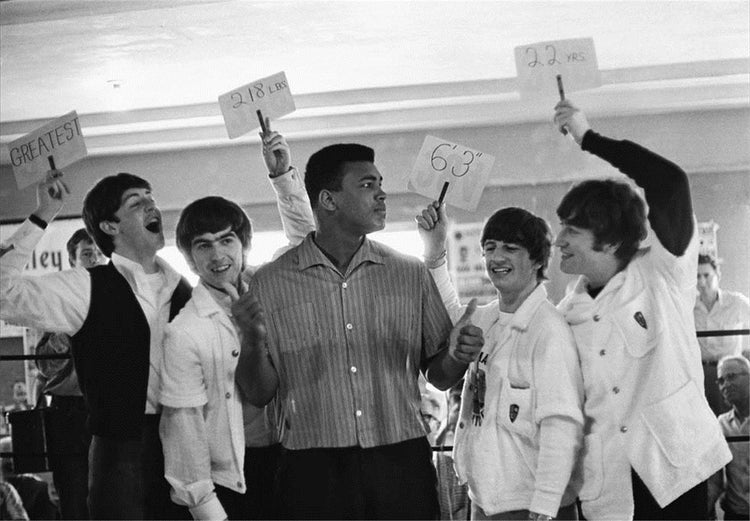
{"x":466,"y":263}
{"x":539,"y":64}
{"x":61,"y":140}
{"x":271,"y":96}
{"x":707,"y":237}
{"x":464,"y":169}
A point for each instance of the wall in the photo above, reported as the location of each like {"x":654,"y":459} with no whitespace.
{"x":534,"y":167}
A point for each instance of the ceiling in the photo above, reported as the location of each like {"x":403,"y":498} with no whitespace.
{"x":99,"y":56}
{"x":149,"y":67}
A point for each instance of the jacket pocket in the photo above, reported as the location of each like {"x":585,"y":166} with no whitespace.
{"x":682,"y":425}
{"x":515,"y":411}
{"x":638,"y":326}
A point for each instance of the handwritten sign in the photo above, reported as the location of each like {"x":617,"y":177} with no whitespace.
{"x":538,"y":65}
{"x":440,"y":161}
{"x":270,"y":95}
{"x":62,"y":139}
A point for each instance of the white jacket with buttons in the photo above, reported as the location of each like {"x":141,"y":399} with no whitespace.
{"x":645,"y":407}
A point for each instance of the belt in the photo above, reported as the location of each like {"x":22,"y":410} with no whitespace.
{"x":709,"y":362}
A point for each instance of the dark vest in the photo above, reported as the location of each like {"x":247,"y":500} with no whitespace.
{"x":111,"y":354}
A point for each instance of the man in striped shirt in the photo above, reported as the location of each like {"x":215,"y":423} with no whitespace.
{"x":346,"y":325}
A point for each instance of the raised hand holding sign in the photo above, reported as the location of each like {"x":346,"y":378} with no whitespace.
{"x":240,"y":107}
{"x":464,"y":169}
{"x":540,"y":65}
{"x":55,"y":145}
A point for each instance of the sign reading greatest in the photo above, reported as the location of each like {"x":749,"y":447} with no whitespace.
{"x":60,"y":139}
{"x":538,"y":65}
{"x":240,"y":106}
{"x":465,"y":169}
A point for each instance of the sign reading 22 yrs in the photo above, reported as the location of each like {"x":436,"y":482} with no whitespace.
{"x":465,"y":169}
{"x":269,"y":95}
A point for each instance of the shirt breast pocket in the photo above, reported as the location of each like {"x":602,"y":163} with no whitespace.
{"x":296,"y":328}
{"x":638,"y":326}
{"x":516,"y":409}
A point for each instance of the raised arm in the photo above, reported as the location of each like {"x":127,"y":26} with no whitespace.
{"x":291,"y":197}
{"x":664,"y":183}
{"x":432,"y":225}
{"x":55,"y":302}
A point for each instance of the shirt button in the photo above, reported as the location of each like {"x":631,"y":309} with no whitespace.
{"x":623,"y":429}
{"x":353,"y":369}
{"x":358,"y":413}
{"x":461,"y":425}
{"x":239,"y":484}
{"x":349,"y":327}
{"x":235,"y":353}
{"x":597,"y":318}
{"x":602,"y":352}
{"x":615,"y":389}
{"x":228,"y":396}
{"x":344,"y":285}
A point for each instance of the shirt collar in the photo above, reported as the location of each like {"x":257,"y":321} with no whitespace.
{"x":136,"y":276}
{"x":527,"y":309}
{"x":309,"y":254}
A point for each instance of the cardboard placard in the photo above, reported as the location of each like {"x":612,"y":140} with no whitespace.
{"x":60,"y":139}
{"x":539,"y":64}
{"x":270,"y":95}
{"x":465,"y":169}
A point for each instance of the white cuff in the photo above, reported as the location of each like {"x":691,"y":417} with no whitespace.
{"x":210,"y":510}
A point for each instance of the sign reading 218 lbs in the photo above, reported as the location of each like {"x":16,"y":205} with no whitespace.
{"x":271,"y":96}
{"x":464,"y":169}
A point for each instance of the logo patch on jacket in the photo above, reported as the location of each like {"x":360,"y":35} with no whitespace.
{"x":640,"y":319}
{"x":513,"y":412}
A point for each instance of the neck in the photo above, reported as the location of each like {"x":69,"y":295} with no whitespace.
{"x":709,"y":299}
{"x":510,"y":302}
{"x":147,"y":260}
{"x":742,"y":409}
{"x":339,"y":247}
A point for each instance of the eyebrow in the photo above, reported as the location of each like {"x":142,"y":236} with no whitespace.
{"x":127,"y":198}
{"x":199,"y":240}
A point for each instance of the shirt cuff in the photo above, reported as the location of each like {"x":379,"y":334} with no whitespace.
{"x":545,"y":503}
{"x":26,"y":236}
{"x":286,"y":183}
{"x":209,"y":510}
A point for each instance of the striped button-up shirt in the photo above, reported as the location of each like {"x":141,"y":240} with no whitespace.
{"x":348,"y":347}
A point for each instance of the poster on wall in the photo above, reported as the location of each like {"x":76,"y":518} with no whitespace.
{"x":707,"y":239}
{"x":466,"y":264}
{"x":50,"y":255}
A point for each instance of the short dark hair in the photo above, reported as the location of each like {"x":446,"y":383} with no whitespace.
{"x":611,"y":210}
{"x":101,"y":203}
{"x":707,"y":258}
{"x":211,"y":214}
{"x":325,"y":171}
{"x":518,"y":226}
{"x":79,"y":236}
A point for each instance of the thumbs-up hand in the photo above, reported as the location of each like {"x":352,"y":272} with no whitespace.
{"x":466,"y":339}
{"x":249,"y":314}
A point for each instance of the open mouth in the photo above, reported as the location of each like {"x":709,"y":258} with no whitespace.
{"x":220,"y":269}
{"x":154,"y":226}
{"x":503,"y":270}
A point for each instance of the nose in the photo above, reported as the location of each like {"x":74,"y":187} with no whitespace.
{"x":381,"y":195}
{"x":560,"y":240}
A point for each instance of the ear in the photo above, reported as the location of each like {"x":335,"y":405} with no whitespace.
{"x":108,"y":227}
{"x":327,"y":201}
{"x":611,"y":248}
